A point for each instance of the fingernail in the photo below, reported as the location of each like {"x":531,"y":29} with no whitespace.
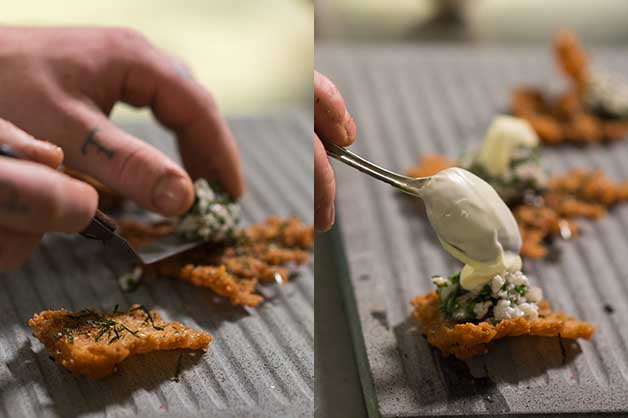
{"x":49,"y":153}
{"x":53,"y":148}
{"x":171,"y":194}
{"x":349,"y":126}
{"x":48,"y":145}
{"x":331,"y":215}
{"x":328,"y":219}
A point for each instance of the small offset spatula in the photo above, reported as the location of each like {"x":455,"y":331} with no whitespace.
{"x":105,"y":229}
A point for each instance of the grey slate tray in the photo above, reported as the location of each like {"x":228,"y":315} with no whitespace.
{"x":260,"y":363}
{"x":410,"y":100}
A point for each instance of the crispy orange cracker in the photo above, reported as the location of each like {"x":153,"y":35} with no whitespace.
{"x":571,"y":58}
{"x":93,"y":343}
{"x":266,"y":252}
{"x":238,"y":291}
{"x":469,"y":339}
{"x":565,"y":118}
{"x":430,"y":164}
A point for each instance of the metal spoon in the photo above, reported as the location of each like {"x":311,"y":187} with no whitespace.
{"x":409,"y":185}
{"x":504,"y":224}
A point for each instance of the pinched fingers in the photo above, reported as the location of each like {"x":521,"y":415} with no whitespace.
{"x":332,"y":121}
{"x":35,"y":199}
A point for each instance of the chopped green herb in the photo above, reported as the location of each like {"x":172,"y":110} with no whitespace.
{"x":508,"y":300}
{"x":177,"y":370}
{"x":68,"y":334}
{"x":130,"y":281}
{"x":213,"y":217}
{"x":106,"y":326}
{"x":149,"y":317}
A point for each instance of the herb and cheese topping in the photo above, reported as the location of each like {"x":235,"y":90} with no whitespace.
{"x":214,"y":216}
{"x":130,"y":281}
{"x":606,"y":94}
{"x":505,"y":296}
{"x":509,"y":159}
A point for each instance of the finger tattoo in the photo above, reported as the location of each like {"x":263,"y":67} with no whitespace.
{"x":92,"y":141}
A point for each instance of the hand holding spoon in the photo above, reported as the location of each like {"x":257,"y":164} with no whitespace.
{"x":470,"y":219}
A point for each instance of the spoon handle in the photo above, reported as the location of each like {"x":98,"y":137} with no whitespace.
{"x":403,"y":183}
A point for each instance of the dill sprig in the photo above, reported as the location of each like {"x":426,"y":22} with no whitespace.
{"x":106,"y":326}
{"x":149,"y":317}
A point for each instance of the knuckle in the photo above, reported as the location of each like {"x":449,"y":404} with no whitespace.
{"x":126,"y":39}
{"x":135,"y":157}
{"x":206,"y":101}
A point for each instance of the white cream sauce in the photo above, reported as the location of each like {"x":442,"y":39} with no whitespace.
{"x":505,"y":135}
{"x":473,"y":224}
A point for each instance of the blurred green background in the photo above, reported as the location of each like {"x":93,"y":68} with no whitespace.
{"x":255,"y":56}
{"x":601,"y":21}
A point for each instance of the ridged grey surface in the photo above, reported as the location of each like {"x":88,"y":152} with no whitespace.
{"x":413,"y":100}
{"x":260,"y":363}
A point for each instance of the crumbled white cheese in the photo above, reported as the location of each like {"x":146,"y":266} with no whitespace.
{"x":496,"y":284}
{"x":481,"y":309}
{"x":213,"y":217}
{"x":505,"y":296}
{"x":129,"y":281}
{"x":439,"y":281}
{"x":505,"y":310}
{"x":518,"y":279}
{"x":534,"y":294}
{"x":608,"y":93}
{"x":530,"y":310}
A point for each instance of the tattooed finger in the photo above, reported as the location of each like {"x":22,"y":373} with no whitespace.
{"x":36,"y":198}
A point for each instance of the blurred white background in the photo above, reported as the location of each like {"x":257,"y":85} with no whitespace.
{"x":255,"y":56}
{"x":471,"y":20}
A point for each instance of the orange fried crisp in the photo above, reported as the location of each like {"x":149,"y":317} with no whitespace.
{"x":571,"y":58}
{"x":93,"y":343}
{"x":263,"y":252}
{"x":429,"y":165}
{"x":465,"y":340}
{"x":576,"y":194}
{"x":592,"y":110}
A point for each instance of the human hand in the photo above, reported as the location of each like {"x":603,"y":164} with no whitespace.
{"x":332,"y":123}
{"x":35,"y":198}
{"x":60,"y":84}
